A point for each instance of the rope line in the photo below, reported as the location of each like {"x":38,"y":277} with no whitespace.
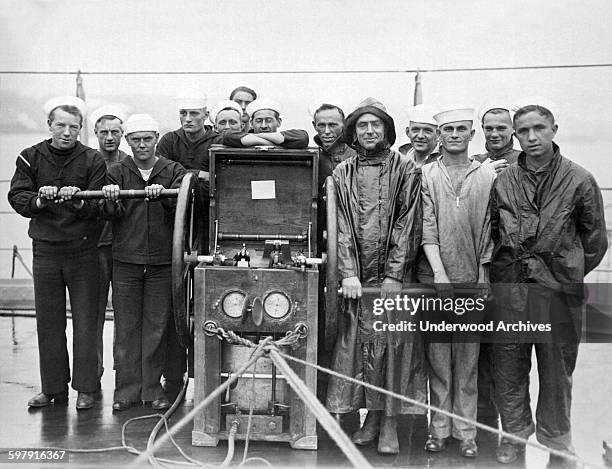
{"x":305,"y":72}
{"x":322,"y":415}
{"x":501,"y":433}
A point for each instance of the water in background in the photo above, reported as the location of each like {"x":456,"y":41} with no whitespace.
{"x":591,"y":154}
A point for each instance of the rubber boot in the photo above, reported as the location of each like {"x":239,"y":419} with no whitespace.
{"x":387,"y":441}
{"x":368,"y":433}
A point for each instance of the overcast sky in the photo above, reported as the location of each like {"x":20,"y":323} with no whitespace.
{"x":116,"y":35}
{"x":242,"y":35}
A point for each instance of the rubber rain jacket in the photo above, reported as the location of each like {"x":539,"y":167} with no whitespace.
{"x":379,"y":231}
{"x":549,"y":230}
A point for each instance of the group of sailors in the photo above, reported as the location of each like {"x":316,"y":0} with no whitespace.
{"x":430,"y":213}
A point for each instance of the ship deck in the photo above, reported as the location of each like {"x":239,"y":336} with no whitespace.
{"x":62,"y":426}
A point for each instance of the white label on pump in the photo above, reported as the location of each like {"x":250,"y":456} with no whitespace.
{"x":263,"y":190}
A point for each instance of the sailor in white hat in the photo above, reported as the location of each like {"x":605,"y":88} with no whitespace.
{"x":189,"y":144}
{"x":142,"y":239}
{"x":64,"y":232}
{"x":265,"y":120}
{"x":455,"y":131}
{"x":223,"y":116}
{"x":141,"y":133}
{"x":496,"y":120}
{"x":266,"y":107}
{"x":67,"y":136}
{"x":191,"y":106}
{"x":421,"y":131}
{"x":455,"y":192}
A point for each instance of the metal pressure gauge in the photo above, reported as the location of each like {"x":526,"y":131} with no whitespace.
{"x":233,"y":303}
{"x":276,"y":304}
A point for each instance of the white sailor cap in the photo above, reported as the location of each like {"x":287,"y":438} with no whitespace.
{"x":53,"y":103}
{"x":490,"y":105}
{"x":191,"y":99}
{"x":454,"y":113}
{"x":537,"y":101}
{"x":263,"y":103}
{"x":222,"y":105}
{"x":141,"y":123}
{"x":112,"y":109}
{"x":422,"y":113}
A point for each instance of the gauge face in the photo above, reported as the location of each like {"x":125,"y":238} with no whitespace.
{"x":233,"y":303}
{"x":276,"y":305}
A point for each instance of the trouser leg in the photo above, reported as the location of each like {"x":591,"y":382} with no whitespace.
{"x":440,"y":382}
{"x":486,"y":393}
{"x":105,"y":264}
{"x":374,"y":372}
{"x":556,"y":363}
{"x":81,"y":276}
{"x":157,"y":303}
{"x":50,"y":303}
{"x":175,"y":364}
{"x":465,"y":388}
{"x":511,"y":366}
{"x":127,"y":302}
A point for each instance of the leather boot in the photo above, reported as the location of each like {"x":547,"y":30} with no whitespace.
{"x":387,"y":440}
{"x":368,"y":433}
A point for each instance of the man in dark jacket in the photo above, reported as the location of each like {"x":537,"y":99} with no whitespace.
{"x":64,"y":234}
{"x":107,"y":121}
{"x":379,"y":225}
{"x":188,"y":146}
{"x":265,"y":121}
{"x":498,"y":132}
{"x":142,"y":273}
{"x":328,"y":122}
{"x":547,"y":223}
{"x":497,"y":127}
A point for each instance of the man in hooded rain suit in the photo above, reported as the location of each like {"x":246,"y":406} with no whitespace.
{"x":379,"y":232}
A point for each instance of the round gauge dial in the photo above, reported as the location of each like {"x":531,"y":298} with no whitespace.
{"x":276,"y":305}
{"x":233,"y":303}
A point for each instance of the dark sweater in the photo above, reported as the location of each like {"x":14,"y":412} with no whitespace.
{"x":39,"y":166}
{"x":142,"y":231}
{"x":191,"y":155}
